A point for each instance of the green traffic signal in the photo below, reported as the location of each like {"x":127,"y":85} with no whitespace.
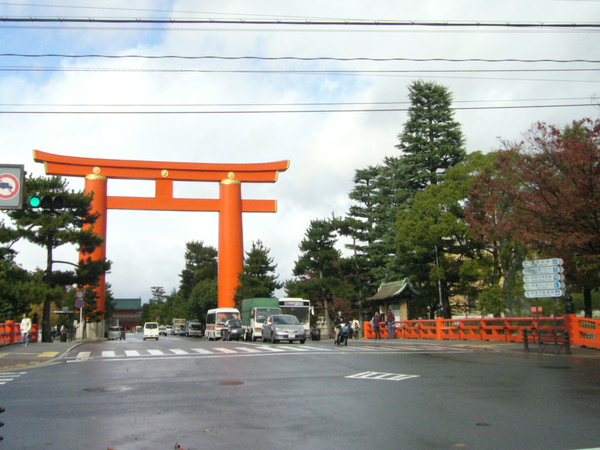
{"x":47,"y":202}
{"x":35,"y":201}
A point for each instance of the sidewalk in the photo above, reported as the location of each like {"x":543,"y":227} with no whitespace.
{"x":18,"y":357}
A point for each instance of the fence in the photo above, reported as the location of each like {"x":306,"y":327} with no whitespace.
{"x":10,"y":333}
{"x":582,"y":332}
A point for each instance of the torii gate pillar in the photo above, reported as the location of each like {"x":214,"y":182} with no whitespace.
{"x":229,"y":205}
{"x":231,"y":241}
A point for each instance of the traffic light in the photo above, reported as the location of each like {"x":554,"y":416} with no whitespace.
{"x":46,"y":202}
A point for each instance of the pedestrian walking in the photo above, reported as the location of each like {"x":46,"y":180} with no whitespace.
{"x":376,"y":322}
{"x":25,"y":329}
{"x":355,"y":328}
{"x":390,"y":319}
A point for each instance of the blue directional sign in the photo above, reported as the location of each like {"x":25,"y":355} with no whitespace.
{"x":545,"y":293}
{"x":550,"y":285}
{"x":543,"y":270}
{"x":543,"y":278}
{"x":542,"y":263}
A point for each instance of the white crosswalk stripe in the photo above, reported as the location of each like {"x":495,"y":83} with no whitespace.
{"x":179,"y":351}
{"x":155,"y":352}
{"x":201,"y":350}
{"x":382,"y":376}
{"x":10,"y":376}
{"x":224,"y":350}
{"x":248,"y":349}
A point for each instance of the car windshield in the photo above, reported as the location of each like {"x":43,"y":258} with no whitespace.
{"x":223,"y":317}
{"x":286,"y":320}
{"x":114,"y":329}
{"x":263,"y":313}
{"x":151,"y":325}
{"x":235,"y":323}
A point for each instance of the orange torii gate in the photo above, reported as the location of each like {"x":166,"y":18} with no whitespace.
{"x":229,"y":205}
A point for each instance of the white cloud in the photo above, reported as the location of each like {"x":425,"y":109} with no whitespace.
{"x":324,"y":148}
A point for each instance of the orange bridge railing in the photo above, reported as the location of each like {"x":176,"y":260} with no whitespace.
{"x":582,"y":332}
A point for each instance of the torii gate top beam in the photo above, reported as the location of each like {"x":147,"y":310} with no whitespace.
{"x":153,"y":170}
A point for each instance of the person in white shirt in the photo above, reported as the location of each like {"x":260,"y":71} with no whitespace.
{"x":25,"y":329}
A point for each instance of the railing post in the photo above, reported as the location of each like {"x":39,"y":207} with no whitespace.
{"x":11,"y":331}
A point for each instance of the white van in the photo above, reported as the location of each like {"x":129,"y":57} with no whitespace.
{"x":216,"y":318}
{"x":151,"y":330}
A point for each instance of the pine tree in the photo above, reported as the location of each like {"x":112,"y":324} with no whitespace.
{"x":432,"y":140}
{"x":52,"y":228}
{"x":258,"y":278}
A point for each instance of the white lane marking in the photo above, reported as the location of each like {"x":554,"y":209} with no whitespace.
{"x":108,"y":354}
{"x":201,"y":350}
{"x":132,"y":353}
{"x":248,"y":349}
{"x":156,"y":352}
{"x":10,"y":376}
{"x":224,"y":350}
{"x":178,"y":351}
{"x":382,"y":376}
{"x":270,"y":349}
{"x":83,"y":355}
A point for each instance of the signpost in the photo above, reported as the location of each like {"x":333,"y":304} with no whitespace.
{"x":544,"y":279}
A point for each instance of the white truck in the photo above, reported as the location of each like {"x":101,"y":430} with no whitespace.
{"x":179,"y":327}
{"x":254,"y":313}
{"x":193,"y":328}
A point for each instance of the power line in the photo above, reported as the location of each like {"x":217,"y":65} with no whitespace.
{"x":284,"y":71}
{"x":295,"y":58}
{"x":306,"y":22}
{"x":279,"y":111}
{"x":401,"y":102}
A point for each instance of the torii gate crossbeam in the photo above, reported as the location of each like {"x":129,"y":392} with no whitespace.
{"x":229,"y":205}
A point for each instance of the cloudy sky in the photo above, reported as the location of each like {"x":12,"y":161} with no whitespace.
{"x":327,"y":90}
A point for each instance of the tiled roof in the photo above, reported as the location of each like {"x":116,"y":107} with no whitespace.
{"x":394,"y":289}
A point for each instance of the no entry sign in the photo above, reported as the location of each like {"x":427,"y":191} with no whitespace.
{"x":12,"y":179}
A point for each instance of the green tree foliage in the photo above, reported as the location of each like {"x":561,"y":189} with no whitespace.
{"x":258,"y":278}
{"x":318,"y":267}
{"x":430,"y":144}
{"x":547,"y":196}
{"x":198,"y":289}
{"x":435,"y":248}
{"x":201,"y":263}
{"x":13,"y":278}
{"x":54,"y":228}
{"x":432,"y":141}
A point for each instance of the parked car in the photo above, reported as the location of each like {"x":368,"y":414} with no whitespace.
{"x":232,"y":330}
{"x":115,"y":333}
{"x":162,"y":330}
{"x":151,"y":330}
{"x":283,"y":327}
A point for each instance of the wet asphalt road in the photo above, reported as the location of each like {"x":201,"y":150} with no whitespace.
{"x":138,"y":394}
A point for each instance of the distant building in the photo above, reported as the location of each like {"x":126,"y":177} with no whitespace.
{"x":395,"y":296}
{"x":128,"y":311}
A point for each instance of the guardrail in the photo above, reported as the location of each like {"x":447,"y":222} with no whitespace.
{"x":582,"y":332}
{"x":10,"y":333}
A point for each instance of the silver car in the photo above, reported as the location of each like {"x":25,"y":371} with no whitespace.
{"x":283,"y":327}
